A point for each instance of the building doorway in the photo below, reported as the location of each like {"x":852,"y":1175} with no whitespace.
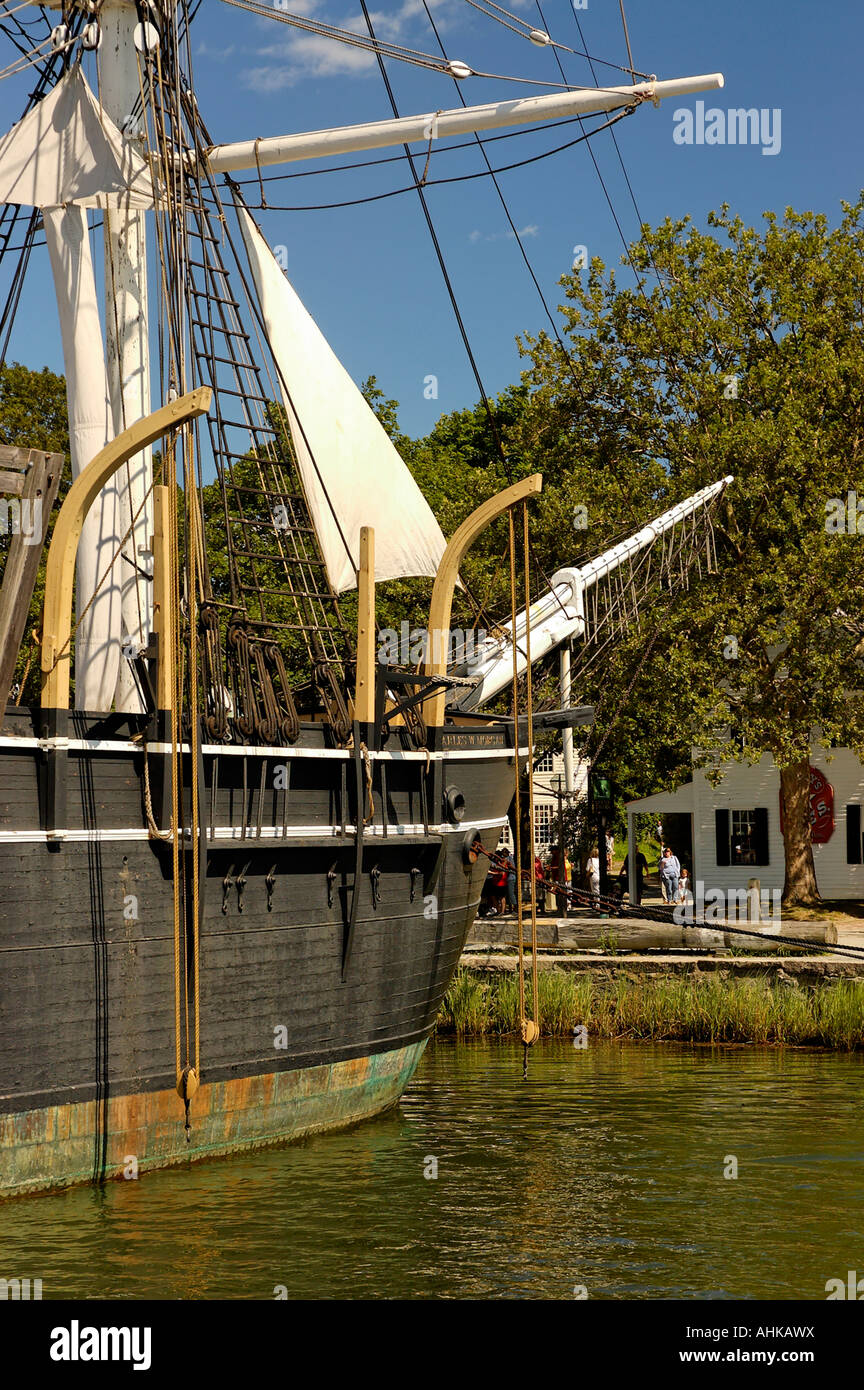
{"x":653,"y":830}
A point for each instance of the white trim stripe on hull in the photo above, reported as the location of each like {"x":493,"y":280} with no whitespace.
{"x":268,"y":832}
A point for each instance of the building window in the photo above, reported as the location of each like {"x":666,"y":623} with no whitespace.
{"x":742,"y":837}
{"x":543,"y":825}
{"x":546,"y":763}
{"x":853,"y":834}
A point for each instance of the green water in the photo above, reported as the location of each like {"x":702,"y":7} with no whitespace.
{"x":604,"y":1170}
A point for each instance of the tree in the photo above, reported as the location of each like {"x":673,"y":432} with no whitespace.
{"x":744,"y":356}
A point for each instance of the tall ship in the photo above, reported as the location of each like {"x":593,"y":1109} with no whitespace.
{"x":239,"y":854}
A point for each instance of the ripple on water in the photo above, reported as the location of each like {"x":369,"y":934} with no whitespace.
{"x":604,"y":1169}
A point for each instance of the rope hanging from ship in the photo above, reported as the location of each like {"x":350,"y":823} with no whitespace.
{"x":529,"y":1027}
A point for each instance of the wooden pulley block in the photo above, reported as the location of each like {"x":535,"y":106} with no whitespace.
{"x":188,"y":1084}
{"x":530,"y":1031}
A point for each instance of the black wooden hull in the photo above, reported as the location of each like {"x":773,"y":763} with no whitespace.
{"x":314,"y":1004}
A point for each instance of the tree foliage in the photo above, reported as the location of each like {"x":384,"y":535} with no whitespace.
{"x":739,"y":351}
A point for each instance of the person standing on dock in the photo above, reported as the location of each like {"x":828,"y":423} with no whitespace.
{"x":592,"y":877}
{"x":511,"y":881}
{"x":641,"y":874}
{"x":670,"y":872}
{"x":685,"y":893}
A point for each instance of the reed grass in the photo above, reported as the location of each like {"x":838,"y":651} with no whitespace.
{"x":704,"y":1009}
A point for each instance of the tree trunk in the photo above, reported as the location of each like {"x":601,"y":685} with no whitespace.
{"x":800,"y":886}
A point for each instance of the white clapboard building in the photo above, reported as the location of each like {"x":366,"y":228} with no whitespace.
{"x":731,"y":833}
{"x":548,"y":777}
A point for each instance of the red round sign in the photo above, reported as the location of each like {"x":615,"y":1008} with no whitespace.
{"x":821,"y":808}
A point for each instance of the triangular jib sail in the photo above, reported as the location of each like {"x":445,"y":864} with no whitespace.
{"x":352,"y":474}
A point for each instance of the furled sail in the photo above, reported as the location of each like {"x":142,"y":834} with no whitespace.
{"x":97,"y":635}
{"x":64,"y":156}
{"x":66,"y":150}
{"x":352,"y":474}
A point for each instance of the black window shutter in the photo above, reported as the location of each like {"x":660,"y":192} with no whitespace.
{"x":853,"y":834}
{"x":721,"y":832}
{"x":760,"y":834}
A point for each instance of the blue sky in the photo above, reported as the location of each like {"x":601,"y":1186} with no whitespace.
{"x":368,"y":274}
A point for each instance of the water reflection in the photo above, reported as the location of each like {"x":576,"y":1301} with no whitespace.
{"x":604,"y":1169}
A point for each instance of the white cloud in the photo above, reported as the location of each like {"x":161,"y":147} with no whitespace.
{"x":218,"y":55}
{"x":295,"y":55}
{"x":530,"y":230}
{"x":307,"y":55}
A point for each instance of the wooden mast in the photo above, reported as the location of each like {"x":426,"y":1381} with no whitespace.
{"x":364,"y":699}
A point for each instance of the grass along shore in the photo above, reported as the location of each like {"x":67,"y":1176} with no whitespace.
{"x":707,"y":1009}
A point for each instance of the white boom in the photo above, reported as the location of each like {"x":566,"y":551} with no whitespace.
{"x":560,"y":614}
{"x":375,"y":135}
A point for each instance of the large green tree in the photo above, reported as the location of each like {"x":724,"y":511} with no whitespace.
{"x":739,"y":352}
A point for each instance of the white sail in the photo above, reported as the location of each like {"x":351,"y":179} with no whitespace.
{"x":352,"y":474}
{"x":127,"y":338}
{"x":97,"y":635}
{"x":67,"y":150}
{"x":64,"y":156}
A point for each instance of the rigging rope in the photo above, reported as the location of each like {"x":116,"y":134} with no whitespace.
{"x":35,"y":55}
{"x":487,"y":405}
{"x":626,"y":35}
{"x":346,"y":36}
{"x":543,"y":38}
{"x":518,"y":797}
{"x":670,"y":362}
{"x":529,"y":1027}
{"x":419,"y":184}
{"x":586,"y":135}
{"x":384,"y":48}
{"x":538,"y":128}
{"x":529,"y":710}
